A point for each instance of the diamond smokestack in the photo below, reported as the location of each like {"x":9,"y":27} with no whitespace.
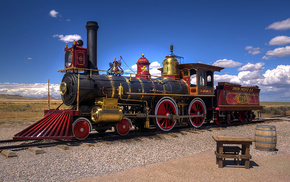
{"x":92,"y":28}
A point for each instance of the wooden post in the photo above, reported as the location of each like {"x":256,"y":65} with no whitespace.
{"x":220,"y":151}
{"x":48,"y":98}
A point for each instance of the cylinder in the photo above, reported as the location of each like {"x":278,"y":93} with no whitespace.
{"x":266,"y":137}
{"x":92,"y":28}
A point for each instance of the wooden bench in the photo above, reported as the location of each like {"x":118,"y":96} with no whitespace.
{"x":224,"y":152}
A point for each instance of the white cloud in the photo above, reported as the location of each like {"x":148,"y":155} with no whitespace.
{"x":243,"y":78}
{"x":68,"y":38}
{"x":134,"y":67}
{"x":278,"y":52}
{"x":225,"y":78}
{"x":155,"y":72}
{"x":280,"y":25}
{"x":280,"y":40}
{"x":155,"y":64}
{"x":249,"y":77}
{"x":36,"y":90}
{"x":252,"y":50}
{"x":278,"y":76}
{"x":154,"y":69}
{"x":252,"y":67}
{"x":53,"y":13}
{"x":226,"y":63}
{"x":68,"y":20}
{"x":29,"y":58}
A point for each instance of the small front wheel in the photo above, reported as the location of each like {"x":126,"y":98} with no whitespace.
{"x":81,"y":128}
{"x":123,"y":127}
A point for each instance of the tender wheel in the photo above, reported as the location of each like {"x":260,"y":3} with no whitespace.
{"x":197,"y":107}
{"x":166,"y":107}
{"x":123,"y":127}
{"x":250,"y":116}
{"x":81,"y":128}
{"x":229,"y":118}
{"x":241,"y":117}
{"x":218,"y":120}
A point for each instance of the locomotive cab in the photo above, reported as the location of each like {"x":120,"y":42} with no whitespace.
{"x":199,"y":77}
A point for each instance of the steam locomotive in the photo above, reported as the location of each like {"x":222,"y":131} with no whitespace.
{"x":183,"y":95}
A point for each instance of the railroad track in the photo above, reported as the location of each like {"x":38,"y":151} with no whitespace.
{"x":111,"y":136}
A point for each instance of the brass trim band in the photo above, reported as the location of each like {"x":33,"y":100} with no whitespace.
{"x":142,"y":85}
{"x":113,"y":86}
{"x":129,"y":86}
{"x":172,"y":95}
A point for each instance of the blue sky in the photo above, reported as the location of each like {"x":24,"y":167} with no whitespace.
{"x":251,"y":39}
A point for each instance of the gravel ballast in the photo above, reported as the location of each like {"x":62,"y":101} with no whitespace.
{"x":112,"y":156}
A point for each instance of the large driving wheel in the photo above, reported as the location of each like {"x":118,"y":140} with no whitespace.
{"x":123,"y":127}
{"x":197,"y":107}
{"x":81,"y":128}
{"x":166,"y":107}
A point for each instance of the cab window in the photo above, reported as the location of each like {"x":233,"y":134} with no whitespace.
{"x":185,"y":72}
{"x":193,"y":78}
{"x":209,"y":79}
{"x":201,"y":78}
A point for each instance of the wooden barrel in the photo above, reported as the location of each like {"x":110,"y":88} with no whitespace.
{"x":265,"y":137}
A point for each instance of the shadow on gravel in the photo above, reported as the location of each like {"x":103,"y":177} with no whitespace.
{"x":233,"y":164}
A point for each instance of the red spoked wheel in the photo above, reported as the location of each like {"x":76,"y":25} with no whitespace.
{"x":241,"y":117}
{"x":81,"y":128}
{"x":123,"y":127}
{"x":197,"y":107}
{"x":165,"y":107}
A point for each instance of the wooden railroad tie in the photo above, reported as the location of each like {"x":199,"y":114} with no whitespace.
{"x":8,"y":153}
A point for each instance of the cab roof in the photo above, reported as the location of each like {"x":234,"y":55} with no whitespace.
{"x":198,"y":66}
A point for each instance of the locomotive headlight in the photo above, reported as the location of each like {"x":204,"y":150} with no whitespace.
{"x":62,"y":88}
{"x":68,"y":59}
